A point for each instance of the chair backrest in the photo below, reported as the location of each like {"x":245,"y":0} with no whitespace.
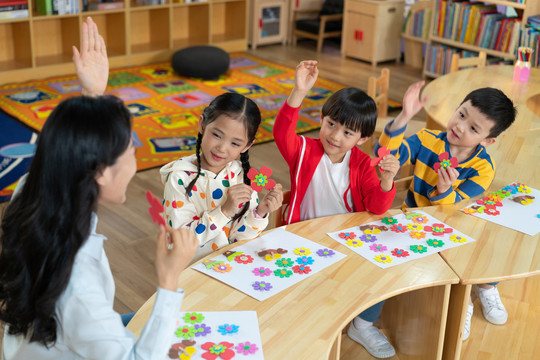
{"x":331,"y":7}
{"x":277,"y":218}
{"x":459,"y":62}
{"x":378,"y":91}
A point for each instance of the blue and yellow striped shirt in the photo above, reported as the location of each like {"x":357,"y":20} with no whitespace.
{"x":422,"y":151}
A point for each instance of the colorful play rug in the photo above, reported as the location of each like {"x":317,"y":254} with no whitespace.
{"x":166,"y":107}
{"x":17,"y":146}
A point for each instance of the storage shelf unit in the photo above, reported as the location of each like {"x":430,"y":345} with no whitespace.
{"x":529,"y":8}
{"x":41,"y":45}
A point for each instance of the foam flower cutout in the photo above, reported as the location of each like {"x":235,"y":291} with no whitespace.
{"x":419,"y":219}
{"x":504,"y":193}
{"x":523,"y":189}
{"x":283,"y":273}
{"x":243,"y":259}
{"x":377,"y":247}
{"x":347,"y":235}
{"x":354,"y":243}
{"x":399,"y":228}
{"x":211,"y":263}
{"x":435,"y":243}
{"x":155,"y":209}
{"x":383,"y":258}
{"x":193,"y":318}
{"x":469,"y":210}
{"x":524,"y":199}
{"x":410,"y":215}
{"x":325,"y":252}
{"x":222,"y":268}
{"x":202,"y":330}
{"x":400,"y":252}
{"x":417,"y":234}
{"x":445,"y":161}
{"x":228,"y":329}
{"x":302,"y":251}
{"x":262,"y":271}
{"x":381,"y":152}
{"x":457,"y":239}
{"x":389,"y":220}
{"x":222,"y":350}
{"x":495,"y":197}
{"x":261,"y":286}
{"x":438,"y":229}
{"x":414,"y":226}
{"x":480,"y":209}
{"x":301,"y":269}
{"x":488,"y":203}
{"x":368,"y":238}
{"x":490,"y":211}
{"x":246,"y":348}
{"x":372,"y":231}
{"x":185,"y":332}
{"x":419,"y":249}
{"x":284,"y":262}
{"x":183,"y":350}
{"x":305,"y":260}
{"x":511,"y":188}
{"x":260,"y":180}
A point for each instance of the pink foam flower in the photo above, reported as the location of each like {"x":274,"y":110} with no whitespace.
{"x":260,"y":180}
{"x":445,"y":161}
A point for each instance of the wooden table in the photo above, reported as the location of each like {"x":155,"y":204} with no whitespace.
{"x":448,"y":91}
{"x":499,"y":253}
{"x":306,"y":320}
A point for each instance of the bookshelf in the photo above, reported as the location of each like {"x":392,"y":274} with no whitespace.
{"x":487,"y":30}
{"x":39,"y":46}
{"x":415,"y":32}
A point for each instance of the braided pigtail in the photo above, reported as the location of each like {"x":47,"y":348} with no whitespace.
{"x":244,"y":158}
{"x":198,"y":153}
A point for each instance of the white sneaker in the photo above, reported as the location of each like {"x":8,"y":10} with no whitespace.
{"x":467,"y":329}
{"x":492,"y":307}
{"x":372,"y":340}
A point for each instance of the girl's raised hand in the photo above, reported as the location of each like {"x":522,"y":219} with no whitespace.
{"x":237,"y":195}
{"x":171,"y":260}
{"x":271,"y":202}
{"x":91,"y":63}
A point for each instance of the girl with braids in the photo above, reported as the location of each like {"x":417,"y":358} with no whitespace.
{"x":209,"y":192}
{"x":56,"y":286}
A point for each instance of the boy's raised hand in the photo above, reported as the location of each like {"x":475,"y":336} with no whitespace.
{"x":91,"y":63}
{"x":390,"y":165}
{"x":447,"y":177}
{"x":170,"y":261}
{"x":304,"y":79}
{"x":412,"y":104}
{"x":271,"y":202}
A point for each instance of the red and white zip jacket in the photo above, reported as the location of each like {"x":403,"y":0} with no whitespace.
{"x":304,"y":154}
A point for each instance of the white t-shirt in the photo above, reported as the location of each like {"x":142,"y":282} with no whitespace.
{"x":324,"y":195}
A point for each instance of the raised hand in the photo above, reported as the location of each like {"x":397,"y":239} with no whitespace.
{"x":171,"y":260}
{"x":91,"y":63}
{"x":412,"y":104}
{"x":390,"y":165}
{"x":237,"y":195}
{"x":271,"y":202}
{"x":304,"y":79}
{"x":447,"y":177}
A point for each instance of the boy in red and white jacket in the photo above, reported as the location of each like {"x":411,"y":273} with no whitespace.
{"x":330,"y":175}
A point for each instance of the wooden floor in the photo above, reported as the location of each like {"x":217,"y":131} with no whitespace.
{"x":131,"y":244}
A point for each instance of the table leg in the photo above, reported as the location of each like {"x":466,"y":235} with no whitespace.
{"x":457,"y":312}
{"x":336,"y":349}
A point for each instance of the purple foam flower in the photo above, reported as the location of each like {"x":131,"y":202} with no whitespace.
{"x":325,"y":252}
{"x":202,"y":330}
{"x":262,"y":286}
{"x":368,"y":238}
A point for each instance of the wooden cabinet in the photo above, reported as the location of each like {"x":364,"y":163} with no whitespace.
{"x":372,"y":29}
{"x":40,"y":46}
{"x":269,"y":21}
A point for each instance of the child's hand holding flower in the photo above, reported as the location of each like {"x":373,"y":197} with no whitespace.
{"x":390,"y":165}
{"x":271,"y":202}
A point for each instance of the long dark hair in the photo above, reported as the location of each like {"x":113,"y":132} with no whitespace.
{"x":235,"y":106}
{"x":46,"y":224}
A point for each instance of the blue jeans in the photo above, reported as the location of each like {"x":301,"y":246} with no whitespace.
{"x":126,"y":318}
{"x":372,"y":314}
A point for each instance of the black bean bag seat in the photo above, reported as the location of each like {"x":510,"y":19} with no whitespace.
{"x":206,"y":62}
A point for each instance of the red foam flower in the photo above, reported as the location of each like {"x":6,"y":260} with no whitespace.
{"x":400,"y":252}
{"x":399,"y":228}
{"x":438,"y":229}
{"x":260,"y":180}
{"x":445,"y":161}
{"x":383,"y":150}
{"x":222,"y":350}
{"x":155,"y":209}
{"x":489,"y":202}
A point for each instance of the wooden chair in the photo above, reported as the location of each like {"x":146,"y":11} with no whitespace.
{"x":402,"y":187}
{"x":459,"y":62}
{"x":277,"y":218}
{"x":324,"y":23}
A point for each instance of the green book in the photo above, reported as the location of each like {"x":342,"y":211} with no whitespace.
{"x":44,"y":7}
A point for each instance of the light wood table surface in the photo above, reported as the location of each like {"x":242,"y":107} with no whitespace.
{"x":499,"y":253}
{"x":448,"y":91}
{"x":306,"y":320}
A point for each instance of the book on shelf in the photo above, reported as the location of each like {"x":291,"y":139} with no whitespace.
{"x":57,"y":7}
{"x":14,"y":14}
{"x":105,"y":5}
{"x":10,"y":5}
